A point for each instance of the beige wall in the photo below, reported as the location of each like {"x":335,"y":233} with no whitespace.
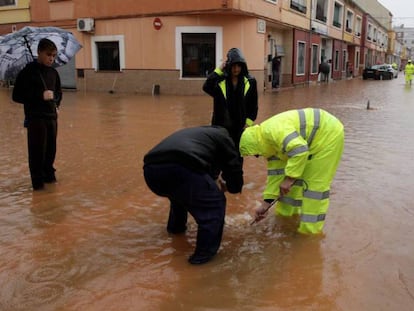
{"x":147,"y":48}
{"x":294,"y":18}
{"x":15,"y":14}
{"x":150,"y":55}
{"x":62,"y":10}
{"x":143,"y":81}
{"x":102,"y":8}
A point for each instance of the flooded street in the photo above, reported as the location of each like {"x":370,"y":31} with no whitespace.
{"x":97,"y":239}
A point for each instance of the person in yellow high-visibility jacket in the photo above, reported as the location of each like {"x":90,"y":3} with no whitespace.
{"x":409,"y":71}
{"x":303,"y":149}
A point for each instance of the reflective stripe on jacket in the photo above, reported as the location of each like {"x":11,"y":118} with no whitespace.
{"x":292,"y":136}
{"x":222,"y":86}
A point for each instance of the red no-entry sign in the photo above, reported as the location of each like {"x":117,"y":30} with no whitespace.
{"x":157,"y":23}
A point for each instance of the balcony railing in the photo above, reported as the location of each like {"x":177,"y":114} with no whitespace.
{"x":321,"y":18}
{"x":337,"y":24}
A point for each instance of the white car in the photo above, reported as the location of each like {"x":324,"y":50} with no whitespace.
{"x":391,"y":69}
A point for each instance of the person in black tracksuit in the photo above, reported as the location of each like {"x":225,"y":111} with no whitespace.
{"x":183,"y":167}
{"x":38,"y":87}
{"x":235,"y":95}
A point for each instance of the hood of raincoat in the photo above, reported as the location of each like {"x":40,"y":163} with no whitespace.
{"x":234,"y":56}
{"x":251,"y":142}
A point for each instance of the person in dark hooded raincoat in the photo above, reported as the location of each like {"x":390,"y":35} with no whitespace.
{"x":235,"y":95}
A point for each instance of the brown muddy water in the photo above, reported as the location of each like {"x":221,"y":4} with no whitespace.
{"x":96,"y":240}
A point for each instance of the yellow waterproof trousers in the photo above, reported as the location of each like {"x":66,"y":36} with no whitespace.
{"x":408,"y":78}
{"x":309,"y":196}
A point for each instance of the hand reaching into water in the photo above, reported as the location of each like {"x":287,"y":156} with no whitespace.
{"x":261,"y":211}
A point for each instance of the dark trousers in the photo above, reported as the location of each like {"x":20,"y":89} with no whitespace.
{"x":275,"y":79}
{"x":192,"y":192}
{"x":41,"y":141}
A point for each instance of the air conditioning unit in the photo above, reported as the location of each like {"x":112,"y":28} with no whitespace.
{"x":86,"y":24}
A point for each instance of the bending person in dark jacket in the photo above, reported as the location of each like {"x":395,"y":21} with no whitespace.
{"x":38,"y":87}
{"x":235,"y":95}
{"x":183,"y":168}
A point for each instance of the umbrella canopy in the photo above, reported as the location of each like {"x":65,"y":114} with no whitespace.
{"x":20,"y":47}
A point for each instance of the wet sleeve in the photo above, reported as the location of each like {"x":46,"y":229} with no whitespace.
{"x":275,"y":175}
{"x":252,"y":101}
{"x":25,"y":90}
{"x":286,"y":139}
{"x":210,"y":85}
{"x":232,"y":167}
{"x":18,"y":92}
{"x":297,"y":150}
{"x":58,"y":90}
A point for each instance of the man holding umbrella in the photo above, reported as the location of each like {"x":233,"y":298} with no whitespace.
{"x":38,"y":87}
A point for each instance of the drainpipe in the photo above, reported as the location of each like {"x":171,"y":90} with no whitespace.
{"x":341,"y":54}
{"x":310,"y":43}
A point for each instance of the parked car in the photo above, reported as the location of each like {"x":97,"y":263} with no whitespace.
{"x":392,"y":69}
{"x":380,"y":72}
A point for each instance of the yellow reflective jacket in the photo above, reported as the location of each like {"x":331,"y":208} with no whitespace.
{"x":291,"y":136}
{"x":409,"y":69}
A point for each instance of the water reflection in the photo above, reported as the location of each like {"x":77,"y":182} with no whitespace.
{"x":97,"y":240}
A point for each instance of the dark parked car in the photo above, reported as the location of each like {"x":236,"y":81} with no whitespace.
{"x":379,"y":72}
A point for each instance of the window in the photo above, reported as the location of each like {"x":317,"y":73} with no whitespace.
{"x":358,"y":26}
{"x":369,"y":35}
{"x":337,"y":15}
{"x":108,"y":53}
{"x":199,"y":49}
{"x":198,"y":57}
{"x":321,"y":10}
{"x":344,"y":56}
{"x":336,"y":63}
{"x":315,"y":58}
{"x":298,"y":5}
{"x":300,"y":59}
{"x":357,"y":60}
{"x":349,"y":21}
{"x":7,"y":2}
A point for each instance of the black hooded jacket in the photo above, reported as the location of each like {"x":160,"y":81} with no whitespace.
{"x":232,"y":106}
{"x":203,"y":149}
{"x":30,"y":84}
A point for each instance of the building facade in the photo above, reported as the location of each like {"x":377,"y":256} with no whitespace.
{"x":140,"y":45}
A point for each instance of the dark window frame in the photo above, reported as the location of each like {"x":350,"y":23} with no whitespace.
{"x":315,"y":59}
{"x":106,"y":61}
{"x":8,"y":3}
{"x":295,"y":5}
{"x":301,"y":58}
{"x":198,"y":54}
